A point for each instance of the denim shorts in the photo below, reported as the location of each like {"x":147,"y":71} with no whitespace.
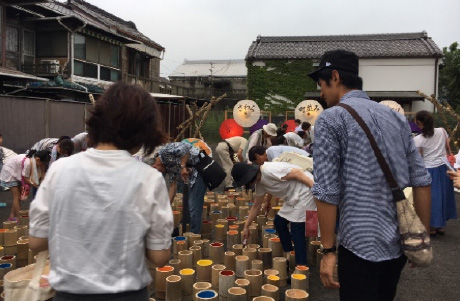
{"x":10,"y":184}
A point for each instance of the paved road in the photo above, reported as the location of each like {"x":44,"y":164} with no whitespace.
{"x":441,"y":281}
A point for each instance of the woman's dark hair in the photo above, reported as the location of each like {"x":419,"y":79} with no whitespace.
{"x":348,"y":79}
{"x":43,"y":155}
{"x":305,"y":125}
{"x":65,"y":146}
{"x":128,"y":117}
{"x":426,"y":118}
{"x":301,"y":134}
{"x":280,"y":140}
{"x":260,"y":150}
{"x":298,"y":121}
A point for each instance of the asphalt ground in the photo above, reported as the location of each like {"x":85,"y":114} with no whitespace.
{"x":440,"y":281}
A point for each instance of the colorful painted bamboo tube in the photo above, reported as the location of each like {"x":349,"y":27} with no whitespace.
{"x":205,"y":248}
{"x":265,"y":254}
{"x":183,"y":241}
{"x":239,"y":202}
{"x":256,"y":280}
{"x":223,"y":221}
{"x":299,"y":281}
{"x":186,"y":259}
{"x":263,"y":298}
{"x":231,"y":220}
{"x":216,"y":252}
{"x":176,"y":218}
{"x":238,"y":249}
{"x":312,"y":252}
{"x":188,"y":279}
{"x":9,"y":259}
{"x":173,"y":288}
{"x":275,"y":245}
{"x":257,"y":264}
{"x":214,"y":206}
{"x":10,"y":237}
{"x":296,"y":295}
{"x":233,"y":237}
{"x":240,"y":225}
{"x":269,"y":272}
{"x":215,"y":270}
{"x":226,"y":281}
{"x":215,"y":215}
{"x":10,"y":250}
{"x":237,"y":294}
{"x":208,"y":295}
{"x":292,"y":263}
{"x":204,"y":214}
{"x":267,"y":237}
{"x":229,"y":260}
{"x":203,"y":270}
{"x":200,"y":286}
{"x":5,"y":267}
{"x":196,"y":254}
{"x":273,"y":280}
{"x":160,"y":280}
{"x":304,"y":270}
{"x":175,"y":263}
{"x":279,"y":264}
{"x":241,"y":265}
{"x":219,"y":232}
{"x":251,"y":253}
{"x":1,"y":251}
{"x":206,"y":229}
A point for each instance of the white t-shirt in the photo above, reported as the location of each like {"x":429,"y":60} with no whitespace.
{"x":12,"y":171}
{"x":296,"y":195}
{"x":433,"y":148}
{"x":99,"y":211}
{"x":276,"y":151}
{"x":293,"y":139}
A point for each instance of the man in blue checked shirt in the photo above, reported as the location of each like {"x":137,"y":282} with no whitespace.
{"x":348,"y":177}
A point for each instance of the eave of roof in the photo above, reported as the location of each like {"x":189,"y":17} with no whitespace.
{"x":14,"y":75}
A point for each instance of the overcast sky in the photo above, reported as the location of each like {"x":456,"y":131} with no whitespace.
{"x":218,"y":29}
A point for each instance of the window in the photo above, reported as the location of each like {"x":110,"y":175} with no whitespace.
{"x":51,"y":44}
{"x":85,"y":69}
{"x":139,"y":64}
{"x":79,"y":47}
{"x":12,"y":47}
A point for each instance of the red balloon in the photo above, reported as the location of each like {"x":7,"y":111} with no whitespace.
{"x":291,"y":125}
{"x":229,"y":128}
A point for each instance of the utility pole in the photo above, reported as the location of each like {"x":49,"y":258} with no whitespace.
{"x":212,"y":81}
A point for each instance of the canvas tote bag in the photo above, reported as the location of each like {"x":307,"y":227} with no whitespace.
{"x":415,"y":240}
{"x":24,"y":284}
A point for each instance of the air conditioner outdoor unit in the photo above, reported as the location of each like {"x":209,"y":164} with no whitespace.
{"x":50,"y":66}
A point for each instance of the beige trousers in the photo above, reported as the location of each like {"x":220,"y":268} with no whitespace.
{"x":226,"y":161}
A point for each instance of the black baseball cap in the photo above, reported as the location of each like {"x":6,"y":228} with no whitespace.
{"x":337,"y":59}
{"x":244,"y":173}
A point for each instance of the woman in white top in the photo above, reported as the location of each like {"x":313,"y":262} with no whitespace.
{"x":102,"y":210}
{"x":22,"y":166}
{"x":432,"y":145}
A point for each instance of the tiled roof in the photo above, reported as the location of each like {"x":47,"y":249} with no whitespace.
{"x":220,"y":68}
{"x":100,"y":19}
{"x":365,"y":46}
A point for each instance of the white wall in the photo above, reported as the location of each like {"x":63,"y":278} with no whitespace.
{"x":400,"y":75}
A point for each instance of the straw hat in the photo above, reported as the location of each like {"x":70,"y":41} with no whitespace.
{"x":270,"y":129}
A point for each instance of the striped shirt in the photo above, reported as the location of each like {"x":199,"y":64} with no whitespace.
{"x":348,"y":175}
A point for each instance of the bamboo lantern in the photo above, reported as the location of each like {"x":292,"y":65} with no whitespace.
{"x":238,"y":249}
{"x":10,"y":237}
{"x":229,"y":260}
{"x":1,"y":251}
{"x":270,"y":272}
{"x":261,"y":220}
{"x":273,"y":280}
{"x":272,"y":291}
{"x":292,"y":263}
{"x":232,"y":237}
{"x":222,"y":203}
{"x":208,"y":203}
{"x":206,"y":229}
{"x":173,"y":288}
{"x":226,"y":281}
{"x":196,"y":254}
{"x":241,"y":265}
{"x":183,"y":241}
{"x":22,"y":230}
{"x":10,"y":250}
{"x":232,"y":210}
{"x":32,"y":254}
{"x":313,"y":247}
{"x":239,"y":202}
{"x":243,"y":283}
{"x":208,"y":295}
{"x":223,"y":221}
{"x":268,"y":229}
{"x":263,"y":298}
{"x":204,"y":214}
{"x":176,"y":218}
{"x":319,"y":257}
{"x":299,"y":281}
{"x":275,"y":245}
{"x":219,"y":232}
{"x":225,"y":211}
{"x":304,"y":270}
{"x":186,"y":259}
{"x":240,"y":225}
{"x":257,"y":264}
{"x":216,"y":252}
{"x":2,"y":233}
{"x":237,"y":294}
{"x":205,"y":248}
{"x":9,"y":259}
{"x":267,"y":237}
{"x":296,"y":295}
{"x":188,"y":279}
{"x":243,"y":212}
{"x":265,"y":254}
{"x":23,"y":253}
{"x":203,"y":270}
{"x":215,"y":270}
{"x":192,"y":238}
{"x":214,"y":207}
{"x":160,"y":280}
{"x":200,"y":286}
{"x":175,"y":263}
{"x":199,"y":243}
{"x":256,"y":280}
{"x":279,"y":264}
{"x":9,"y":224}
{"x":231,"y":220}
{"x":215,"y":215}
{"x":253,"y":235}
{"x":5,"y":268}
{"x":335,"y":273}
{"x":251,"y":253}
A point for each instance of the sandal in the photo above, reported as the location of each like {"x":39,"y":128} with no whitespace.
{"x":433,"y":233}
{"x":440,"y":231}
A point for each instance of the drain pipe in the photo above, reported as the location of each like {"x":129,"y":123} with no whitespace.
{"x":70,"y":40}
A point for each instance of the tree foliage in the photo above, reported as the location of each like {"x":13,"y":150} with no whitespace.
{"x":449,"y":76}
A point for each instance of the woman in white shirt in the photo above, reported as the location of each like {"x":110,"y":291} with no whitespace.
{"x":102,"y":210}
{"x":432,"y":145}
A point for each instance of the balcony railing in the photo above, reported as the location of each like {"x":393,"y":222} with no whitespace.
{"x":42,"y":69}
